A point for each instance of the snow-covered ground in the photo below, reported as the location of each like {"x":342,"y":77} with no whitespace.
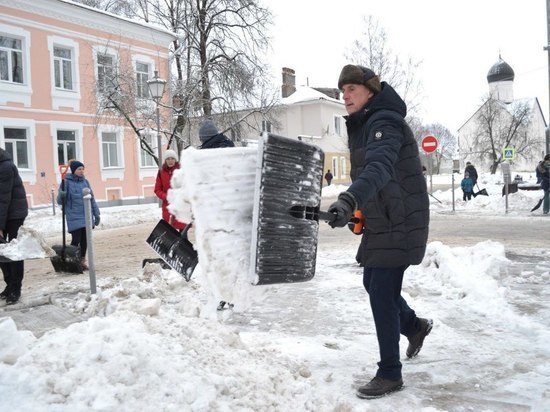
{"x":154,"y":342}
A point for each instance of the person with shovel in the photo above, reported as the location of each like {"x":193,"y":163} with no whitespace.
{"x":390,"y":190}
{"x":162,"y":186}
{"x":71,"y":193}
{"x":13,"y":211}
{"x":472,"y":172}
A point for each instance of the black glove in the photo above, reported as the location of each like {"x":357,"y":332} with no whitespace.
{"x":343,"y":208}
{"x":62,"y":194}
{"x":97,"y":219}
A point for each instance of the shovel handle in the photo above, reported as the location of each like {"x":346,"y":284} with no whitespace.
{"x":327,"y":216}
{"x":331,"y":217}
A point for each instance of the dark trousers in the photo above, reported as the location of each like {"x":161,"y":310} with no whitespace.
{"x":79,"y":239}
{"x":13,"y":271}
{"x":467,"y":196}
{"x":392,"y":316}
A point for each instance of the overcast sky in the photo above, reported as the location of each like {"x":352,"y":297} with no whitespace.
{"x":457,"y":42}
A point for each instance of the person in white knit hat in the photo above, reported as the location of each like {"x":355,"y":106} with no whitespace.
{"x":162,"y":185}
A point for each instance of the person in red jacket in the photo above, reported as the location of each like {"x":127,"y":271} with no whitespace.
{"x":162,"y":186}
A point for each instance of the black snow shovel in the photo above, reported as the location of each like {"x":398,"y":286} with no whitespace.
{"x":67,"y":257}
{"x":538,"y":204}
{"x":174,"y":248}
{"x":482,"y":192}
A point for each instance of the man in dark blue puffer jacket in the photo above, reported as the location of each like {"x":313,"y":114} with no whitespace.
{"x":390,"y":190}
{"x":13,"y":211}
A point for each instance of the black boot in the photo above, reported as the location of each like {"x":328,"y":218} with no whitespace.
{"x":4,"y":294}
{"x":13,"y":297}
{"x":379,"y":387}
{"x":416,"y":341}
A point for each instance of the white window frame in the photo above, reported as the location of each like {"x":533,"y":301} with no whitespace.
{"x":343,"y":167}
{"x":65,"y":97}
{"x":27,"y":174}
{"x":103,"y":51}
{"x":110,"y":172}
{"x":18,"y":92}
{"x":151,"y":137}
{"x":138,"y":58}
{"x":338,"y":124}
{"x":335,"y":167}
{"x":78,"y":128}
{"x":266,"y":126}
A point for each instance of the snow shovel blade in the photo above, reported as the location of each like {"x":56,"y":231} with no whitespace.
{"x":285,"y":220}
{"x":175,"y":250}
{"x":537,"y":205}
{"x":67,"y":259}
{"x":482,"y":192}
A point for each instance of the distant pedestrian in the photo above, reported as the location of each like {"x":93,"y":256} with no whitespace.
{"x":212,"y":139}
{"x":71,"y":192}
{"x":471,"y":170}
{"x":328,"y":177}
{"x":162,"y":186}
{"x":13,"y":211}
{"x":543,"y":177}
{"x":467,"y":187}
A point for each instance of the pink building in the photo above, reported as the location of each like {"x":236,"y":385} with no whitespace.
{"x":56,"y":59}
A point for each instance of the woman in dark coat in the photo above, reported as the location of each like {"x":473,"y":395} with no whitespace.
{"x":13,"y":211}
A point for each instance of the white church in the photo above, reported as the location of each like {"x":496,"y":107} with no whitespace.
{"x":501,"y":81}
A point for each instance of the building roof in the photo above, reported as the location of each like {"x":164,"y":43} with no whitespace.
{"x":500,"y":71}
{"x":307,"y":94}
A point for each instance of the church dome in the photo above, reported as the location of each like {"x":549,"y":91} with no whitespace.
{"x":500,"y":71}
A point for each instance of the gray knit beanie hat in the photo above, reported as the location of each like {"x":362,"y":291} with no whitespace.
{"x":355,"y":74}
{"x":207,"y":130}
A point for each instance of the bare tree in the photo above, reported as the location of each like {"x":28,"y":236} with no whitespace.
{"x":501,"y":125}
{"x":218,"y":61}
{"x":373,"y":51}
{"x":219,"y":56}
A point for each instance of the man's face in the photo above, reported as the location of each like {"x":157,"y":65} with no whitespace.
{"x":356,"y":97}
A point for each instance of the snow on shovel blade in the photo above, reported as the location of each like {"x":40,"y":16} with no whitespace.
{"x":175,"y":250}
{"x":29,"y":244}
{"x":67,"y":259}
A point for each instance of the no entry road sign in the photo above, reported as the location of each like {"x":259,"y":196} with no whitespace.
{"x":429,"y":144}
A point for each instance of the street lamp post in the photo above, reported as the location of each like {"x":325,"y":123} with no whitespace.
{"x":156,"y":90}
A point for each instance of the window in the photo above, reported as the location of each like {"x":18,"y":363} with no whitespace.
{"x":343,"y":168}
{"x":11,"y":59}
{"x":17,"y":146}
{"x":338,"y":125}
{"x":335,"y":172}
{"x":63,"y":68}
{"x":145,"y":158}
{"x":105,"y":72}
{"x":109,"y":149}
{"x":66,"y":146}
{"x":142,"y":75}
{"x":266,"y":126}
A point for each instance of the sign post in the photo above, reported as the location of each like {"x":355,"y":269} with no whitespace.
{"x":429,"y":145}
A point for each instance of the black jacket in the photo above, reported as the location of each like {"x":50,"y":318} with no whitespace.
{"x":13,"y":198}
{"x":217,"y":141}
{"x":388,"y":183}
